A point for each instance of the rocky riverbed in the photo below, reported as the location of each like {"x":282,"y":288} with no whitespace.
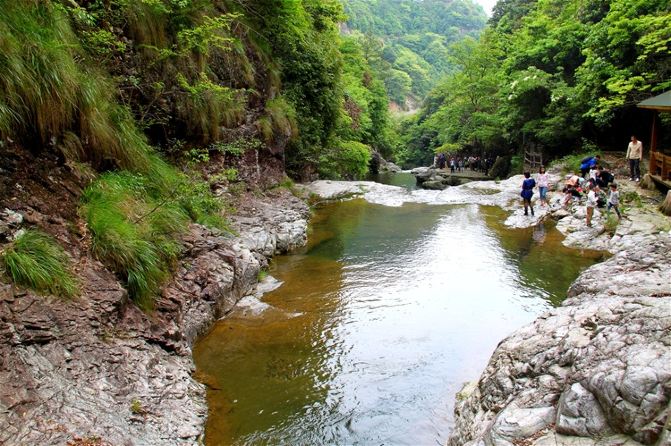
{"x":97,"y":370}
{"x":594,"y":371}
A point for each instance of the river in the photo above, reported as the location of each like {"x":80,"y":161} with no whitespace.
{"x":379,"y":322}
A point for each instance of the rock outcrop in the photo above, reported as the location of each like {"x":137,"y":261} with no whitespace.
{"x":98,"y":369}
{"x":597,"y":370}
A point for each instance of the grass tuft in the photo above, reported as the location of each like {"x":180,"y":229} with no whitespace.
{"x":134,"y":233}
{"x":136,"y":221}
{"x":46,"y":91}
{"x":37,"y":261}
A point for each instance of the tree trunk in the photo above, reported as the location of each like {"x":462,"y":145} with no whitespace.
{"x":647,"y":182}
{"x":665,"y":207}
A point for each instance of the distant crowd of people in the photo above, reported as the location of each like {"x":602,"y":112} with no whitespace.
{"x":459,"y":164}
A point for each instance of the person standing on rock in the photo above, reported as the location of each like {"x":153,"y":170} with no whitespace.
{"x":591,"y":204}
{"x":543,"y":181}
{"x":634,"y":155}
{"x":527,"y":192}
{"x":614,"y":200}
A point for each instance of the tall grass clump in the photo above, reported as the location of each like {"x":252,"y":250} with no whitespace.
{"x":282,"y":117}
{"x":35,"y":260}
{"x":47,"y":90}
{"x":134,"y":231}
{"x":136,"y":221}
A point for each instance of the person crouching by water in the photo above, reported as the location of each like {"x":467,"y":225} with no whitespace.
{"x":591,"y":203}
{"x":543,"y":182}
{"x":527,"y":192}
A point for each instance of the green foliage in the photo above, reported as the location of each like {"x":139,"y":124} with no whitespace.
{"x":45,"y":91}
{"x":237,"y":147}
{"x":137,"y":408}
{"x":133,"y":232}
{"x":365,"y":117}
{"x":632,"y":199}
{"x":135,"y":221}
{"x":346,"y":159}
{"x":37,"y":261}
{"x":280,"y":119}
{"x":547,"y":73}
{"x":208,"y":106}
{"x":408,"y":42}
{"x":611,"y":223}
{"x":571,"y":163}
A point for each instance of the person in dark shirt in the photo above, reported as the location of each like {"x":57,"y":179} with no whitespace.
{"x":603,"y":177}
{"x":527,"y":192}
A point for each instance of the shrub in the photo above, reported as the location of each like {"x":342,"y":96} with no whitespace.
{"x":133,"y":232}
{"x":136,"y":220}
{"x":35,"y":260}
{"x":346,"y":159}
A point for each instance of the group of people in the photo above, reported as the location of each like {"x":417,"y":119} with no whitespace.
{"x":459,"y":164}
{"x":593,"y":180}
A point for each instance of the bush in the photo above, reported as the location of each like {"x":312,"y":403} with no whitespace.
{"x":571,"y":163}
{"x":346,"y":159}
{"x":35,"y":260}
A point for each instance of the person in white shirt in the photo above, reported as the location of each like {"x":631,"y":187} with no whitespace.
{"x":634,"y":155}
{"x":614,"y":200}
{"x":592,"y":174}
{"x":591,"y":203}
{"x":542,"y":181}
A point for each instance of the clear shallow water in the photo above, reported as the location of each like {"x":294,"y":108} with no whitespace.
{"x":379,"y":322}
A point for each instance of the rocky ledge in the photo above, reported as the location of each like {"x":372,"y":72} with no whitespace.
{"x":96,"y":370}
{"x":597,"y":370}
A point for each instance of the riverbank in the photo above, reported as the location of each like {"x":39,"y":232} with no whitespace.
{"x":97,"y":370}
{"x":596,"y":370}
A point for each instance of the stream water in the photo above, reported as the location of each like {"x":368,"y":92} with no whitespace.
{"x":381,"y":319}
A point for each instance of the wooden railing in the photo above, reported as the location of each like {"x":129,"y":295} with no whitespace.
{"x":532,"y":159}
{"x":660,"y":165}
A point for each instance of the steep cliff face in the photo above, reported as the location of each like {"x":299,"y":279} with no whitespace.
{"x":95,"y":367}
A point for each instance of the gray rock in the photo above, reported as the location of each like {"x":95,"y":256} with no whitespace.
{"x":434,"y":185}
{"x":602,"y":359}
{"x":98,"y":367}
{"x":580,"y":414}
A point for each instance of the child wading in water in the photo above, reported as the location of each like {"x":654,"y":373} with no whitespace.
{"x":527,"y":192}
{"x":543,"y":182}
{"x":614,"y":200}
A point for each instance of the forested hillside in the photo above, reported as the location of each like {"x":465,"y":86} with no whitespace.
{"x":563,"y":75}
{"x":409,"y":42}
